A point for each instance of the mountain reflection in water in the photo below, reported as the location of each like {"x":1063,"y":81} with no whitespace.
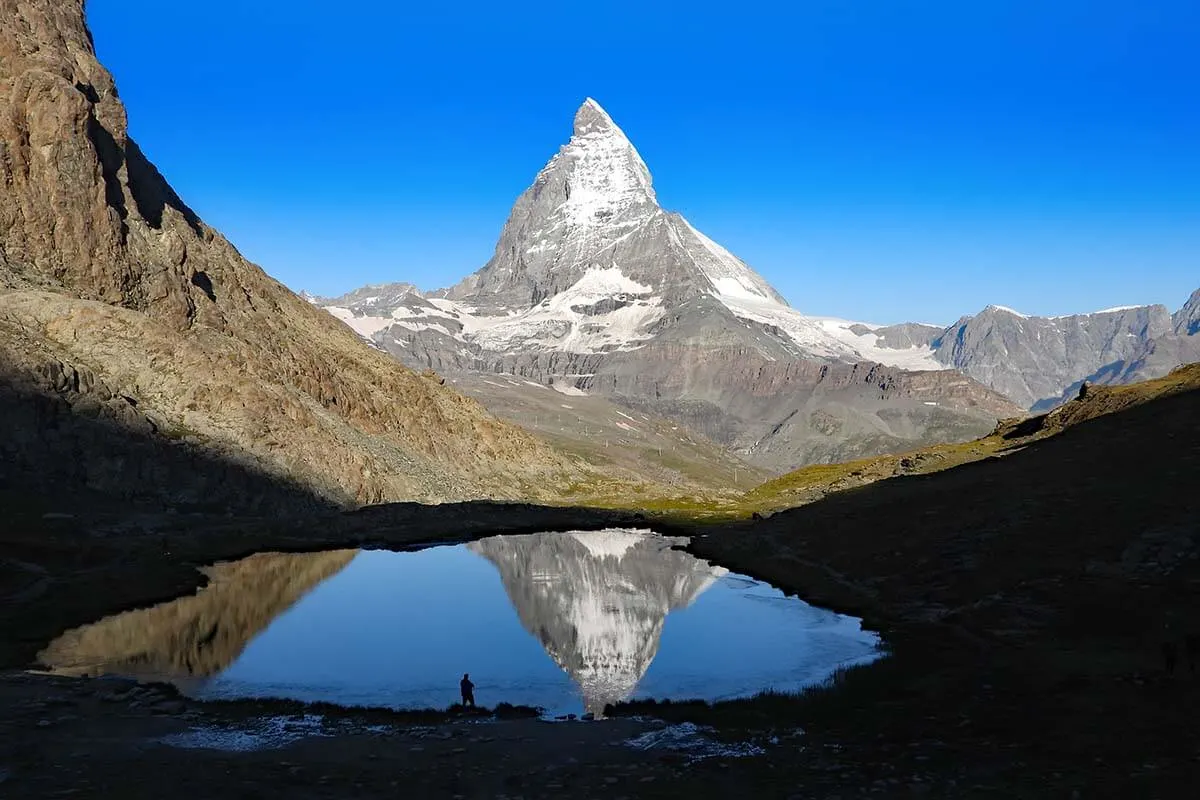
{"x":597,"y":601}
{"x":200,"y":635}
{"x":399,"y":629}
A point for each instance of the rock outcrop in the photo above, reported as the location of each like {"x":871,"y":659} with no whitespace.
{"x":1187,"y":319}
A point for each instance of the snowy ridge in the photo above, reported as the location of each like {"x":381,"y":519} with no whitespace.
{"x":1006,"y":310}
{"x":1113,"y":310}
{"x":728,"y":274}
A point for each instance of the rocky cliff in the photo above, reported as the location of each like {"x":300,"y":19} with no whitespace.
{"x":1187,"y":319}
{"x":106,"y":273}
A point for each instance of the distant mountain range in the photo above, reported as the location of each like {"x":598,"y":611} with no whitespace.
{"x":1041,"y":361}
{"x":595,"y":289}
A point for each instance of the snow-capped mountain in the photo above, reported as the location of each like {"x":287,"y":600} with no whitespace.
{"x":595,"y":288}
{"x":589,"y":262}
{"x":597,"y":601}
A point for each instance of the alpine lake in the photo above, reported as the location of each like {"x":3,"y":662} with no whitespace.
{"x":565,"y":622}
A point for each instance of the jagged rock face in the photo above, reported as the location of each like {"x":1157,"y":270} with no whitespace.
{"x":1033,"y":360}
{"x":104,"y":268}
{"x":597,"y":601}
{"x":595,"y":287}
{"x":1187,"y":319}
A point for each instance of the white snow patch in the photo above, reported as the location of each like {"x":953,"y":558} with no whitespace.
{"x":732,"y":287}
{"x":1007,"y":310}
{"x":554,"y":325}
{"x":423,"y":325}
{"x":363,"y":326}
{"x":868,"y":347}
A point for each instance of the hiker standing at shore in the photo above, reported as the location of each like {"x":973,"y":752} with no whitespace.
{"x":468,"y":690}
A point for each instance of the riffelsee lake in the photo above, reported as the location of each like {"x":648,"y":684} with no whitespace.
{"x":569,"y":622}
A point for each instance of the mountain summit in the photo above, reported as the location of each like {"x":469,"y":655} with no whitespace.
{"x":590,"y":228}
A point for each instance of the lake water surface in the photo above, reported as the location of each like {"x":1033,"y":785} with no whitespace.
{"x":567,"y":621}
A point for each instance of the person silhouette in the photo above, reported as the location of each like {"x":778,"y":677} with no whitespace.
{"x":468,"y":690}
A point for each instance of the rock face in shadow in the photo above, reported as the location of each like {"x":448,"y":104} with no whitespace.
{"x":105,"y":271}
{"x":597,"y":601}
{"x":201,"y":635}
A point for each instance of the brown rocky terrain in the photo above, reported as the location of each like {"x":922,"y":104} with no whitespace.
{"x":120,"y":305}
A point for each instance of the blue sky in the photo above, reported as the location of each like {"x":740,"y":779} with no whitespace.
{"x":880,"y":160}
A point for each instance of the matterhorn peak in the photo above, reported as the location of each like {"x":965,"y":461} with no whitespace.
{"x":601,"y":168}
{"x":592,"y":118}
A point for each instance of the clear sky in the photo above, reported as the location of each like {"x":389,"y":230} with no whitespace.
{"x":882,"y":160}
